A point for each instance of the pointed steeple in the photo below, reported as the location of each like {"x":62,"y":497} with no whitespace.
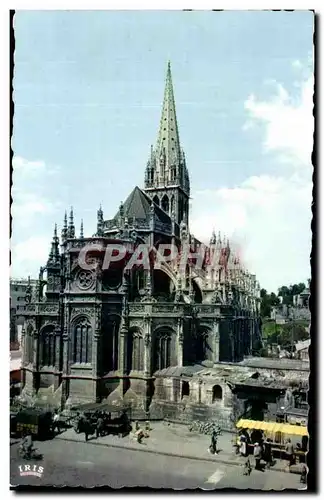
{"x":213,"y":238}
{"x":166,"y":172}
{"x":100,"y":221}
{"x":56,"y":243}
{"x":54,"y":255}
{"x":81,"y":230}
{"x":168,"y":143}
{"x":71,"y":228}
{"x":64,"y":231}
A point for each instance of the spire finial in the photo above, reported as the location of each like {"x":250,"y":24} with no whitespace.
{"x":64,"y":232}
{"x":100,"y":221}
{"x":71,"y":229}
{"x":81,"y":230}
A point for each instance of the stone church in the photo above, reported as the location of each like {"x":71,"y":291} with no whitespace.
{"x":136,"y":337}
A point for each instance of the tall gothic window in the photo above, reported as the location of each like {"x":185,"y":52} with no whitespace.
{"x":110,"y":343}
{"x":29,"y":344}
{"x":82,"y":341}
{"x":162,"y":350}
{"x":172,"y":204}
{"x":165,"y":203}
{"x":135,"y":351}
{"x":156,"y":200}
{"x":47,"y":346}
{"x":204,"y":346}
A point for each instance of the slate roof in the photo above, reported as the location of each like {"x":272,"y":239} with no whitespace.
{"x":178,"y":371}
{"x":275,"y":364}
{"x":138,"y":206}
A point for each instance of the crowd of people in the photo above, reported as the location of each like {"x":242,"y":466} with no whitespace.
{"x":263,"y":450}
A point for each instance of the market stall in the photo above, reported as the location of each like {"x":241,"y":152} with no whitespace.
{"x":277,"y":433}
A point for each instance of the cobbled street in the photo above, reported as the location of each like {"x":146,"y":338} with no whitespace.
{"x":85,"y":464}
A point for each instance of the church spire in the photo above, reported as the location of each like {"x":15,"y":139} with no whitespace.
{"x":71,"y":228}
{"x":166,"y":175}
{"x":54,"y":255}
{"x":168,"y":143}
{"x":64,"y":232}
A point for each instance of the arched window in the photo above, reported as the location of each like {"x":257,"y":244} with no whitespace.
{"x":47,"y":347}
{"x":217,"y":393}
{"x":204,"y":347}
{"x":82,"y":341}
{"x":173,"y":173}
{"x":156,"y":200}
{"x":172,"y":205}
{"x":29,"y":344}
{"x":185,"y":389}
{"x":109,"y":351}
{"x":162,"y":350}
{"x":165,"y":203}
{"x":135,"y":351}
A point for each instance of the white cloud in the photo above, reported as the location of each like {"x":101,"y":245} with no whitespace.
{"x":296,"y":64}
{"x":29,"y":255}
{"x":23,"y":165}
{"x":269,"y":216}
{"x":288,"y":122}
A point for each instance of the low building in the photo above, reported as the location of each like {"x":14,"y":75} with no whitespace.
{"x":227,"y":391}
{"x":15,"y":367}
{"x":302,"y":350}
{"x":18,"y":289}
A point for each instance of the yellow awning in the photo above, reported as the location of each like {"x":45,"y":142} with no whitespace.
{"x":297,"y":430}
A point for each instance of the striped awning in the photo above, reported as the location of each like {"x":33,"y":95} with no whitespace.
{"x":297,"y":430}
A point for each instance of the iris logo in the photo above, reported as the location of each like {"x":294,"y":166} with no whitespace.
{"x":31,"y":470}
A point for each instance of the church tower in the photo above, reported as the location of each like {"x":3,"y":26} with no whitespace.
{"x":166,"y":176}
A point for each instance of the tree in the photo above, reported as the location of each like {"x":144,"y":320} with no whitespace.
{"x":268,"y":301}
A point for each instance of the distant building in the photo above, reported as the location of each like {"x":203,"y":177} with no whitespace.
{"x":302,"y":350}
{"x":15,"y":366}
{"x":18,"y":289}
{"x":302,"y":300}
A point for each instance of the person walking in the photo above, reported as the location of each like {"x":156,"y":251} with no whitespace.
{"x":267,"y":453}
{"x":243,"y":446}
{"x":56,"y":425}
{"x":257,"y":455}
{"x":289,"y":453}
{"x":213,"y":443}
{"x":247,"y":468}
{"x":99,"y":427}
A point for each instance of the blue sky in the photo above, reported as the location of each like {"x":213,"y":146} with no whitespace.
{"x":88,"y":89}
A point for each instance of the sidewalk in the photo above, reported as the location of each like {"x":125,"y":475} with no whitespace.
{"x":174,"y":440}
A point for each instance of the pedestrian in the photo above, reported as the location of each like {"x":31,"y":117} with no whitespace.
{"x":213,"y":443}
{"x":87,"y":432}
{"x":247,"y":468}
{"x":243,"y":446}
{"x":56,"y":421}
{"x":267,"y":453}
{"x":99,"y":427}
{"x":289,"y":453}
{"x":257,"y":455}
{"x":303,"y":476}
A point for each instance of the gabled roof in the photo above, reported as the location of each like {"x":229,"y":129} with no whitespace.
{"x":138,"y":206}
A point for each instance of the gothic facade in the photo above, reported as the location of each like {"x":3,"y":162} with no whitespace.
{"x":95,"y":333}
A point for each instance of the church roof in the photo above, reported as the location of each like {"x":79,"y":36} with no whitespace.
{"x":138,"y":206}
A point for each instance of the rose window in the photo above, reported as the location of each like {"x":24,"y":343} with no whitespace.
{"x":85,"y":280}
